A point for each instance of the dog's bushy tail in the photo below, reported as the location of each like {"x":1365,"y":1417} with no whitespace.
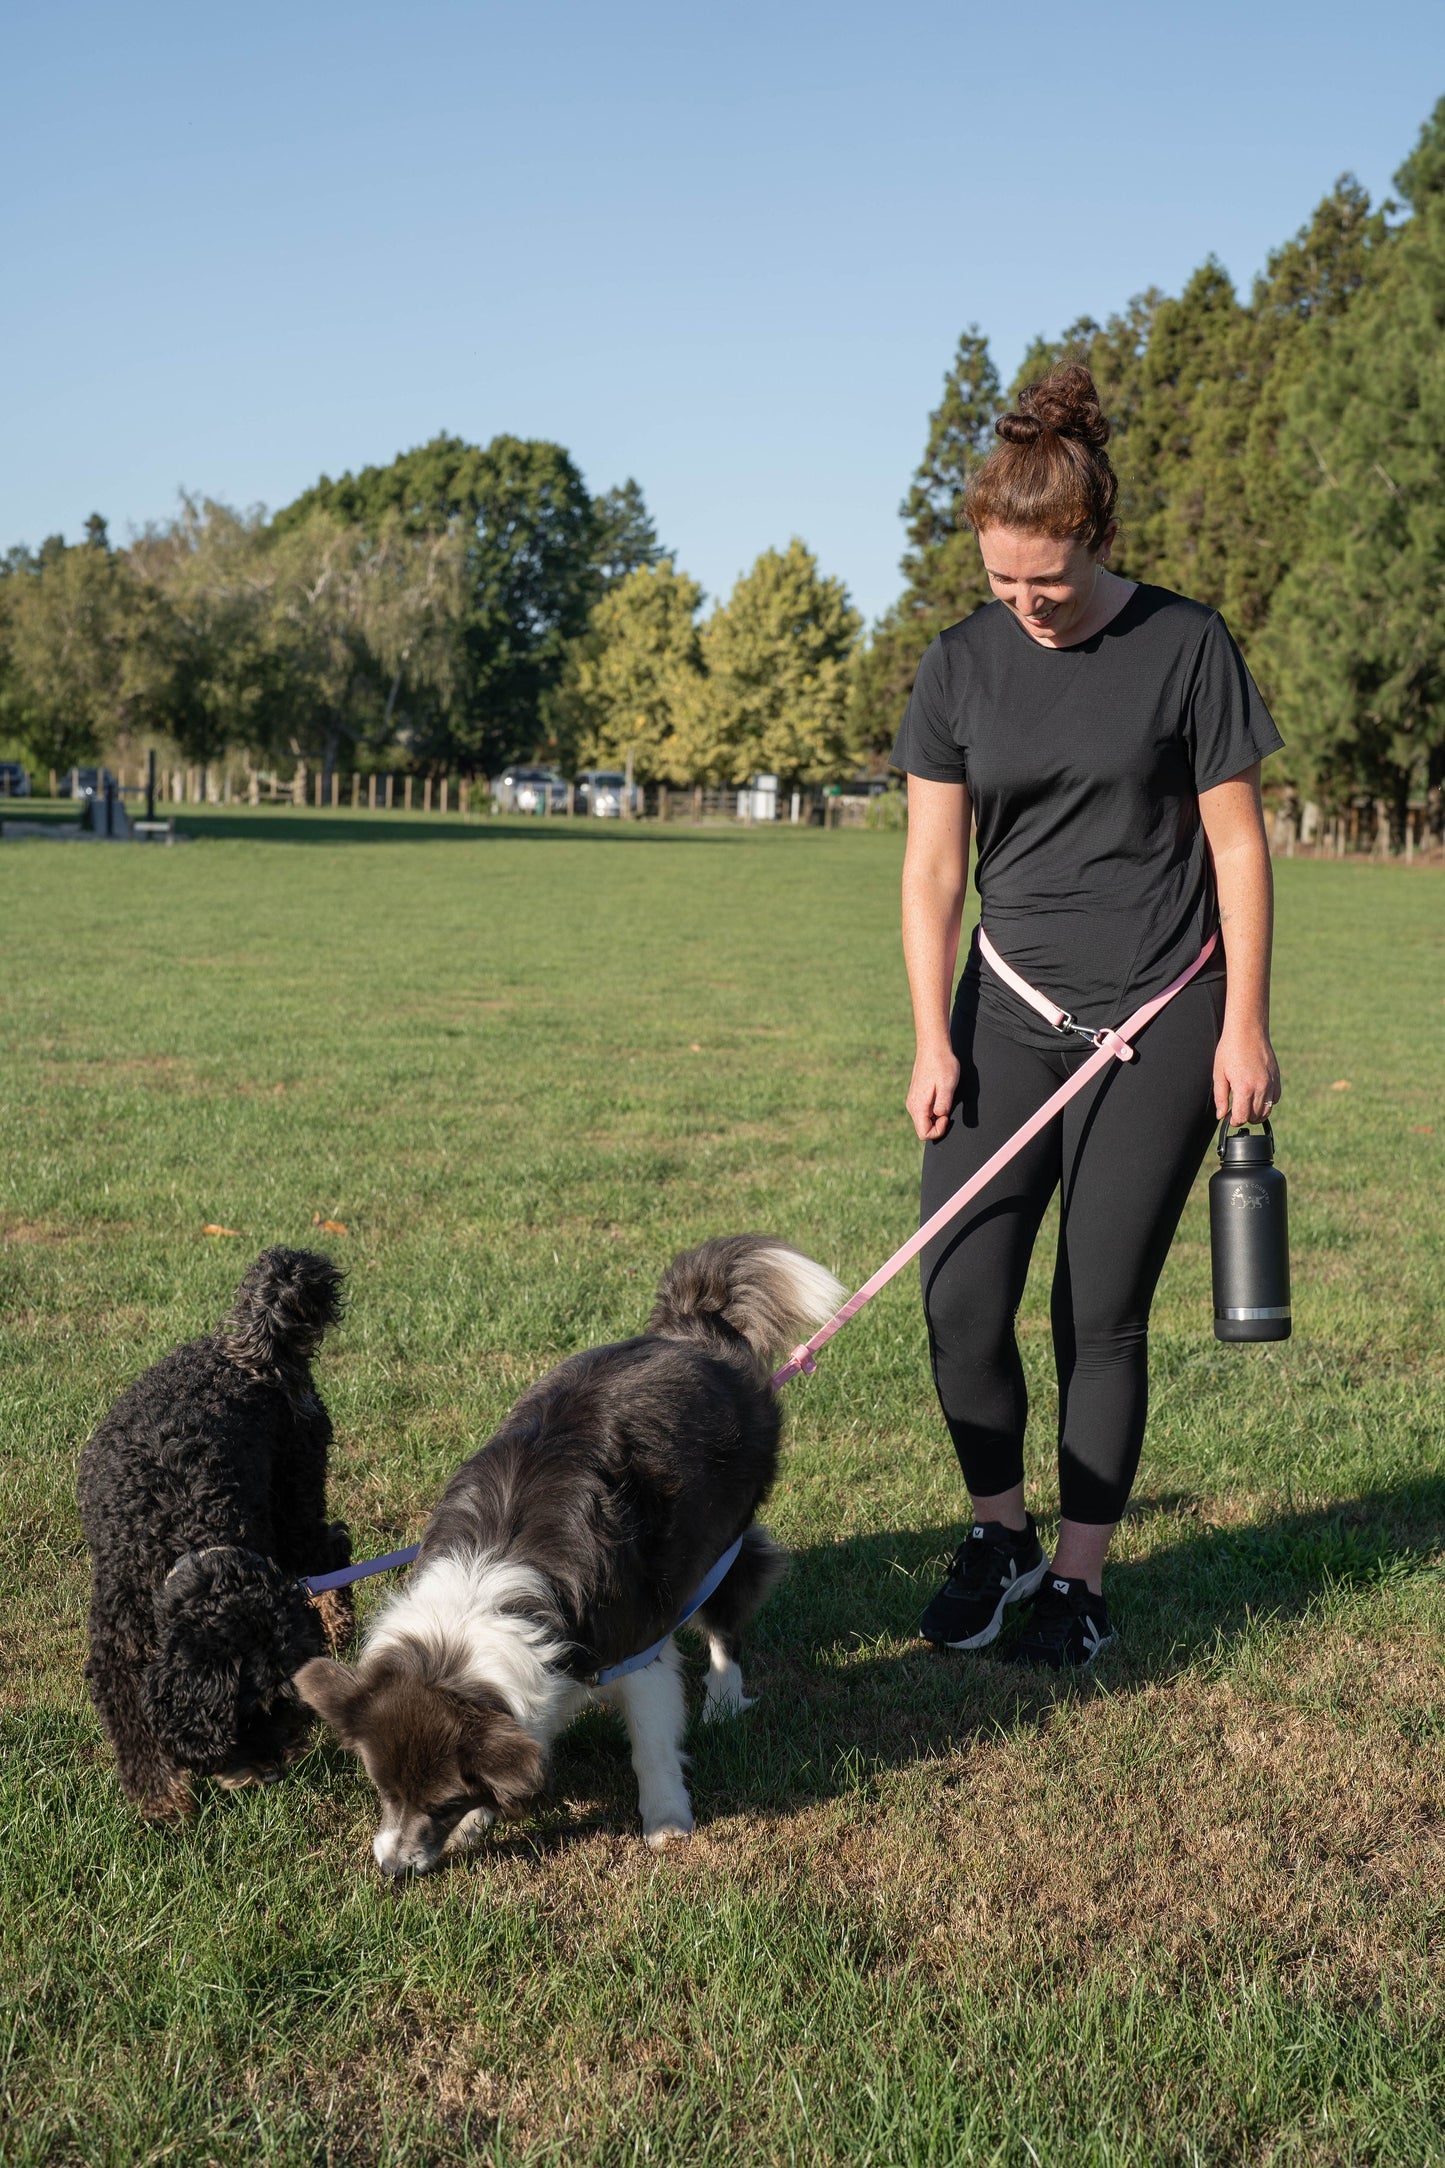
{"x":748,"y":1289}
{"x":282,"y":1308}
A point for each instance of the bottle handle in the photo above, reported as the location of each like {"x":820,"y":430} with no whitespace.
{"x":1229,"y":1121}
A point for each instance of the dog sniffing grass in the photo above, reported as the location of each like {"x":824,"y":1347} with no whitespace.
{"x":567,"y":1547}
{"x":1192,"y":1913}
{"x":203,"y":1499}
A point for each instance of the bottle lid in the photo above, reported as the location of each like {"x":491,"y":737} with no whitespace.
{"x":1245,"y":1149}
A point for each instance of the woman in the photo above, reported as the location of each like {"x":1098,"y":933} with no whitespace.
{"x":1104,"y":738}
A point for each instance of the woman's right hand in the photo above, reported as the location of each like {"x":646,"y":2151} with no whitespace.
{"x":931,"y":1094}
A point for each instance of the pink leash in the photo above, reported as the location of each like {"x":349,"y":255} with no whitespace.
{"x":1109,"y":1045}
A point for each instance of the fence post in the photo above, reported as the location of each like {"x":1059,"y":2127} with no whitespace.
{"x":407,"y":795}
{"x":464,"y":797}
{"x":446,"y":786}
{"x":571,"y":799}
{"x":389,"y":781}
{"x":426,"y":796}
{"x":371,"y":794}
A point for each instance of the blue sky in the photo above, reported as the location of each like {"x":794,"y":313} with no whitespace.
{"x":725,"y":249}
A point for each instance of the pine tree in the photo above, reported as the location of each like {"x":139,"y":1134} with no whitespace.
{"x":941,"y":565}
{"x":1355,"y":643}
{"x":626,"y":538}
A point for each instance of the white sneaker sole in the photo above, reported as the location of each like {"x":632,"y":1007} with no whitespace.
{"x":1025,"y":1585}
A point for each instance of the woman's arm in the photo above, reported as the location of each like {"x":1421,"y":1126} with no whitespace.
{"x":935,"y":882}
{"x":1246,"y":1074}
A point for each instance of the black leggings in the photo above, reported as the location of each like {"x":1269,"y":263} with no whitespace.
{"x":1126,"y":1151}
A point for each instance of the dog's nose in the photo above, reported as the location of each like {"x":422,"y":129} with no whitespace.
{"x":394,"y":1856}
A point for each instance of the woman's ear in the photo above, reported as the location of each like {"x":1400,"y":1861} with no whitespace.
{"x":1102,"y":553}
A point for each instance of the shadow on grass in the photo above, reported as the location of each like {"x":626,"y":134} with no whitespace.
{"x":282,"y":825}
{"x":839,"y":1701}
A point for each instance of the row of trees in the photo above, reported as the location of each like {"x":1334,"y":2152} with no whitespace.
{"x":451,"y":610}
{"x":1282,"y":457}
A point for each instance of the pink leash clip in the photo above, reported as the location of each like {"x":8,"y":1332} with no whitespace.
{"x":1110,"y":1043}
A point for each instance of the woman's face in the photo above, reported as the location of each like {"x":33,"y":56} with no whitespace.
{"x":1050,"y":585}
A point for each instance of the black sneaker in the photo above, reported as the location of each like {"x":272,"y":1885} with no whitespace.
{"x":1067,"y":1627}
{"x":993,"y":1567}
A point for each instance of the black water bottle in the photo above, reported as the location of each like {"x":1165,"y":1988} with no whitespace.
{"x":1249,"y":1239}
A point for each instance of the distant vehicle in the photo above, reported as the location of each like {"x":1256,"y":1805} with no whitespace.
{"x":521,"y":789}
{"x":602,"y":791}
{"x":14,"y":780}
{"x":85,"y":782}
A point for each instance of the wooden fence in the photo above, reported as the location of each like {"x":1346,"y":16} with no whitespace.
{"x":1365,"y":828}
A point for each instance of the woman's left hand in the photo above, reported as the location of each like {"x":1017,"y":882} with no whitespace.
{"x":1246,"y":1075}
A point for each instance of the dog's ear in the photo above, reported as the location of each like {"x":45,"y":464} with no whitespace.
{"x":334,"y":1692}
{"x":229,"y":1628}
{"x":500,"y":1759}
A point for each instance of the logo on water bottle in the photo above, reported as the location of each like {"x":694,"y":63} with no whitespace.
{"x":1247,"y":1196}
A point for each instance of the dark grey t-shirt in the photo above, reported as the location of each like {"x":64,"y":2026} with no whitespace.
{"x":1084,"y":765}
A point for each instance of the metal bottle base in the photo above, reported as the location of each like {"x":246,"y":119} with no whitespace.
{"x":1252,"y":1328}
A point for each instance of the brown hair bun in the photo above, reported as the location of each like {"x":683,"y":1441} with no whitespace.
{"x":1065,"y":401}
{"x":1049,"y":474}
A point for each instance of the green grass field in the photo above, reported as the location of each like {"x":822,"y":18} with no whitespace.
{"x":1189,"y":1913}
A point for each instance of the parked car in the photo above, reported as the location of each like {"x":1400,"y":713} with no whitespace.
{"x":85,"y":783}
{"x":14,"y":780}
{"x":602,"y":791}
{"x":522,"y":789}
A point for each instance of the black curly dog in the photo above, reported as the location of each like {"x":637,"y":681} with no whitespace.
{"x":203,"y":1496}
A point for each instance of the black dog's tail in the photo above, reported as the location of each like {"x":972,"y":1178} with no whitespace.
{"x":749,"y":1288}
{"x":282,"y":1307}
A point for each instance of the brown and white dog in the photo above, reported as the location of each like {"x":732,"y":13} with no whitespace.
{"x":571,"y":1541}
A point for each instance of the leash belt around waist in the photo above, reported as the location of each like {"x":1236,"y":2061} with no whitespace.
{"x":1109,"y":1045}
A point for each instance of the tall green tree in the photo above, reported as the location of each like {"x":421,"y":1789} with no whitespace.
{"x":944,"y":578}
{"x":1115,"y":354}
{"x":1354,"y":646}
{"x":626,"y":538}
{"x":354,"y":613}
{"x":69,"y":634}
{"x":636,"y":675}
{"x":773,"y":696}
{"x":202,"y":663}
{"x":531,"y":576}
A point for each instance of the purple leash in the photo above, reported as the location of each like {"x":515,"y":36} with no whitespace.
{"x":314,"y":1583}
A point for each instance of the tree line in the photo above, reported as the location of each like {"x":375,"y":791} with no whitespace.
{"x":1280,"y":456}
{"x":447,"y":612}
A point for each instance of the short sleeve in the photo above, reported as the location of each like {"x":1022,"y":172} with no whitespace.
{"x":1226,"y":723}
{"x":928,"y":741}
